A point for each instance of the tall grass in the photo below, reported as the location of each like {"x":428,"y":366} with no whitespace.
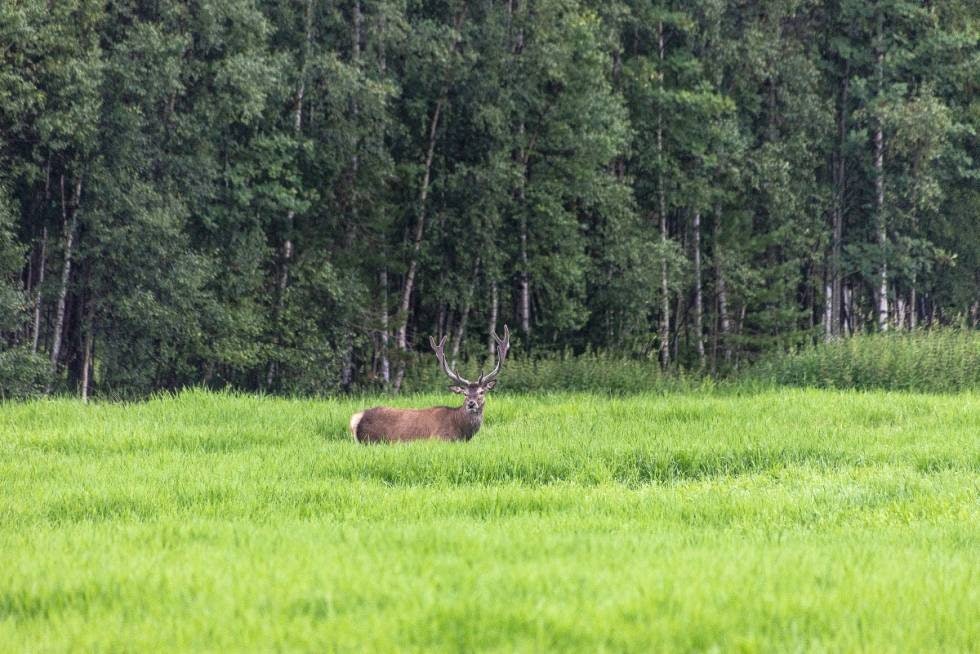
{"x":787,"y":520}
{"x":944,"y":360}
{"x":941,"y":360}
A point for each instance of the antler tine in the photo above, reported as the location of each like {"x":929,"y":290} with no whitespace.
{"x":441,"y":355}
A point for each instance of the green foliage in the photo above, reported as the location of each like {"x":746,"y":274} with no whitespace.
{"x":788,"y":520}
{"x":22,"y":374}
{"x":21,"y":371}
{"x":288,"y":197}
{"x":12,"y":300}
{"x":936,"y":361}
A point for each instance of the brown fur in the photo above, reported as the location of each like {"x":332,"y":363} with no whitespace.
{"x":383,"y":423}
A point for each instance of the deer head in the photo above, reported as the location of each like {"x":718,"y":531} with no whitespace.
{"x":474,"y":392}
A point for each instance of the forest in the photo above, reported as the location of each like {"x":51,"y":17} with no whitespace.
{"x":292,"y":196}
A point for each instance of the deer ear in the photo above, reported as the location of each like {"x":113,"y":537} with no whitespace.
{"x":458,"y":389}
{"x":490,"y":384}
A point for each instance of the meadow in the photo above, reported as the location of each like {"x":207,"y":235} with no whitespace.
{"x":779,"y":519}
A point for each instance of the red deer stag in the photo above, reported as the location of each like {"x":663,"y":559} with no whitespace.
{"x":383,"y":423}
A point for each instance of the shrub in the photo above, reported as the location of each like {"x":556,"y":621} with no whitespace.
{"x":22,"y":373}
{"x":941,"y":360}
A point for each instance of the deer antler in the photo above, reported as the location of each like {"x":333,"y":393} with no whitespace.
{"x":503,"y":344}
{"x":452,"y":374}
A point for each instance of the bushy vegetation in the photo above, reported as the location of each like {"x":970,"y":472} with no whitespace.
{"x":789,"y":520}
{"x":930,"y":360}
{"x":936,"y":360}
{"x":22,"y":374}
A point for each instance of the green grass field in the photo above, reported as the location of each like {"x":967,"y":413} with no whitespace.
{"x":781,"y":520}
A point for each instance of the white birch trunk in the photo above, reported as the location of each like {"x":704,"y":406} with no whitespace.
{"x":467,"y":304}
{"x":494,"y":307}
{"x":662,"y":209}
{"x":70,"y":224}
{"x":828,"y":291}
{"x":36,"y":329}
{"x":87,"y":363}
{"x":834,"y":293}
{"x":698,"y":297}
{"x":525,"y":281}
{"x":723,"y":317}
{"x":385,"y":365}
{"x":401,"y":338}
{"x":913,"y":309}
{"x":879,"y":173}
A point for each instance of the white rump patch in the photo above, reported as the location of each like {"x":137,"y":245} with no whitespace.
{"x":354,"y":421}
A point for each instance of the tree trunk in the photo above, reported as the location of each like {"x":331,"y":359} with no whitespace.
{"x":87,"y":362}
{"x":69,"y":217}
{"x":282,"y":282}
{"x":525,"y":281}
{"x":36,"y":330}
{"x":857,"y":314}
{"x":385,"y":366}
{"x":494,"y":307}
{"x":347,"y":368}
{"x":401,"y":337}
{"x":662,"y":210}
{"x":357,"y":24}
{"x":383,"y":275}
{"x":525,"y":278}
{"x":698,"y":297}
{"x":355,"y":162}
{"x":723,"y":318}
{"x":467,"y":303}
{"x":524,"y":156}
{"x":680,"y":315}
{"x":879,"y":174}
{"x":738,"y":331}
{"x":460,"y":333}
{"x":828,"y":293}
{"x":714,"y":338}
{"x":442,"y":326}
{"x":913,"y":307}
{"x":680,"y":324}
{"x":834,"y":296}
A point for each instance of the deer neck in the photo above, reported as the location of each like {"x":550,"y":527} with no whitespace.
{"x":468,"y":423}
